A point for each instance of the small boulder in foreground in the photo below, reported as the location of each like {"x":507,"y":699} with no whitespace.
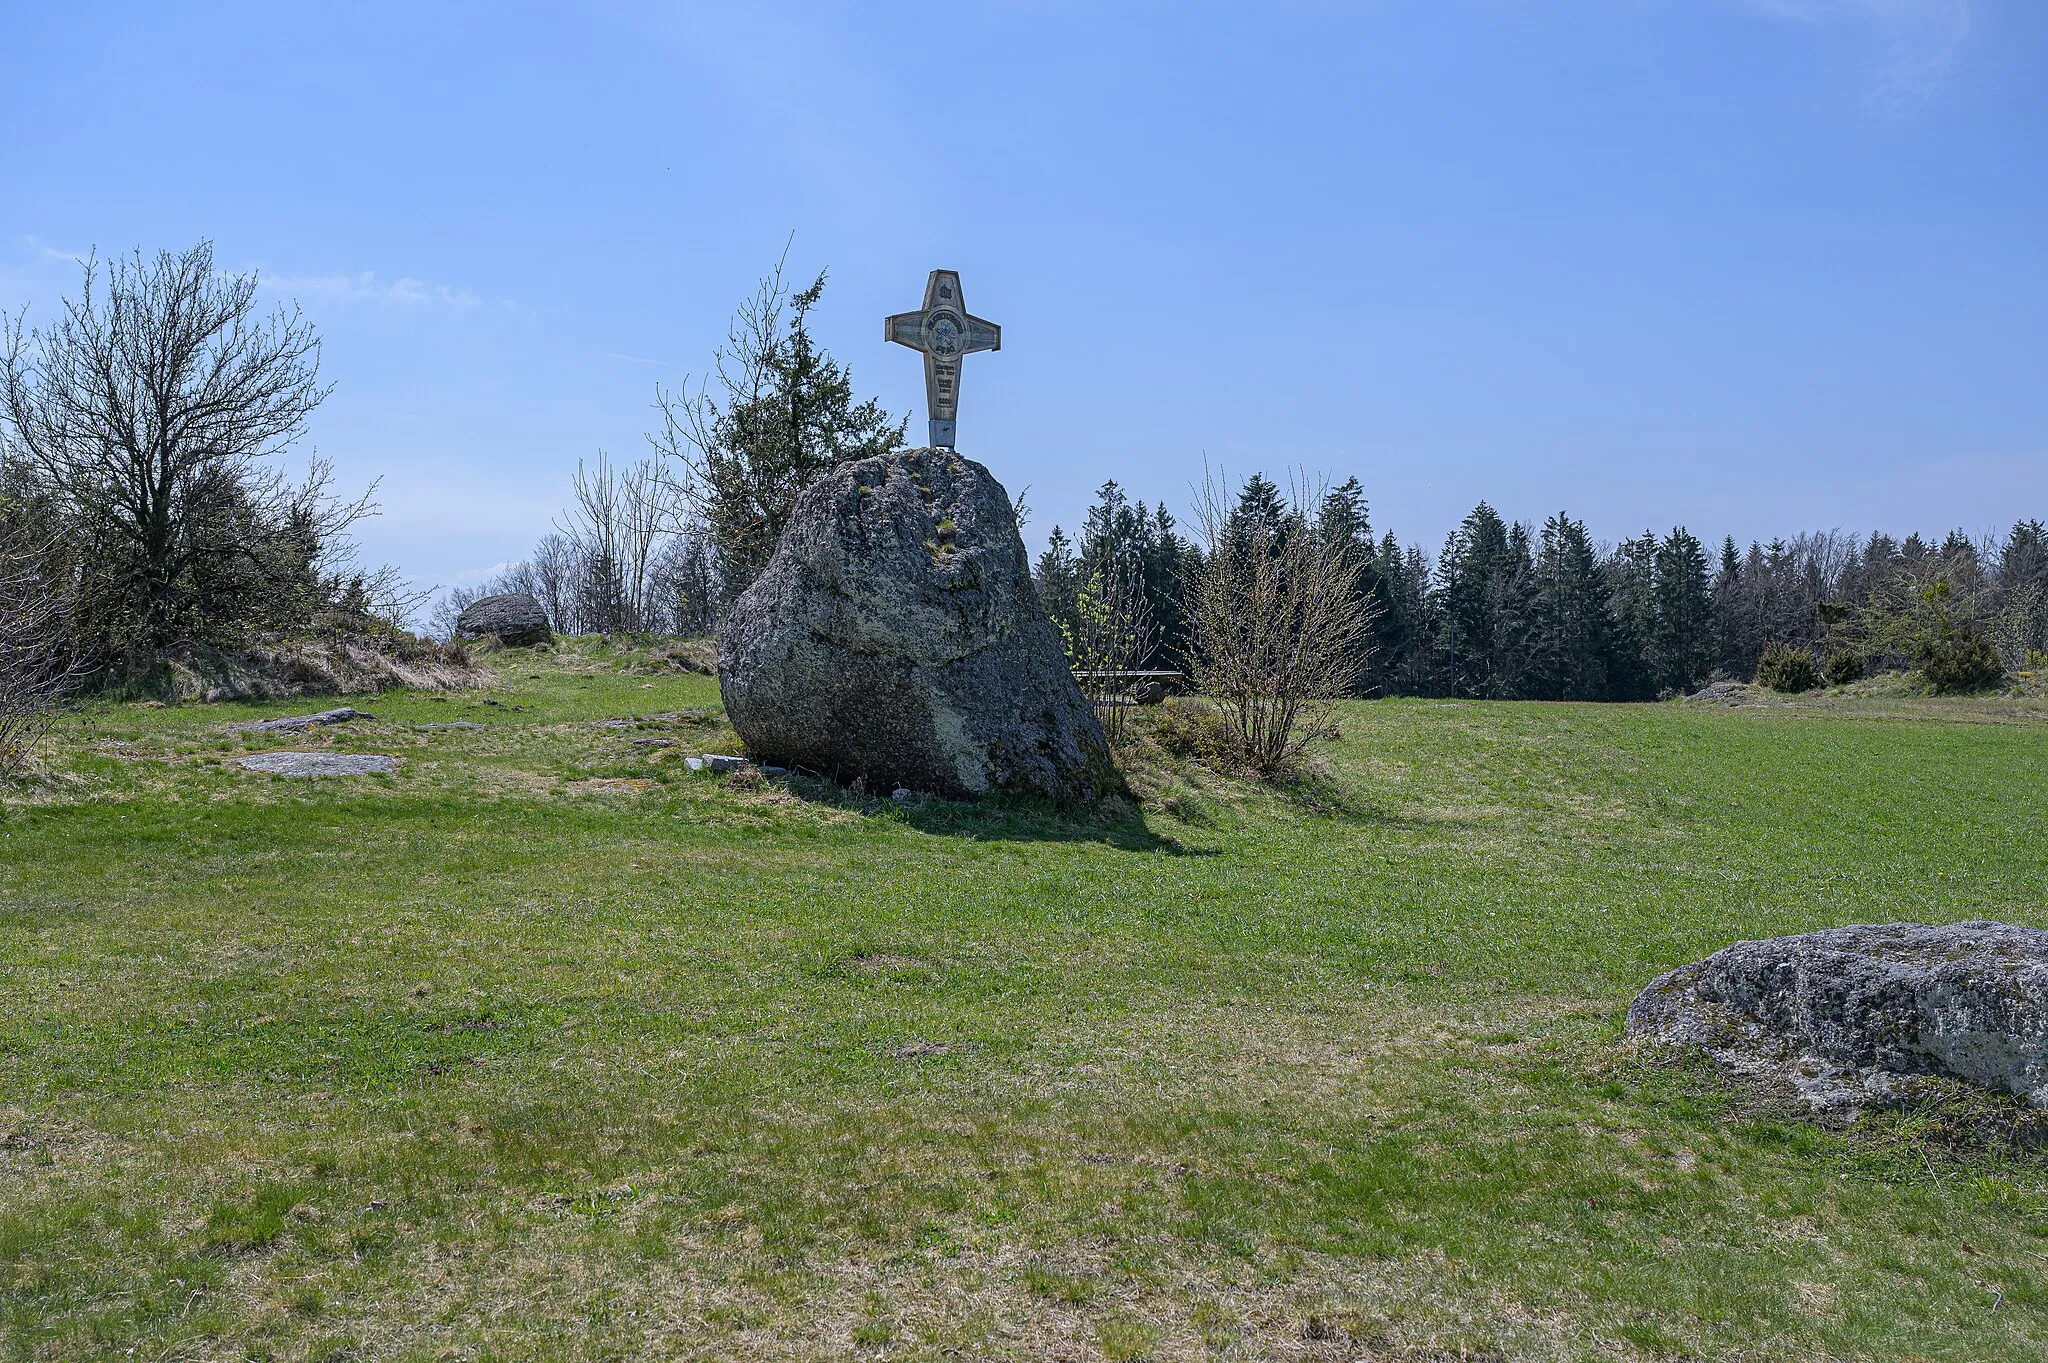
{"x":1853,"y":1015}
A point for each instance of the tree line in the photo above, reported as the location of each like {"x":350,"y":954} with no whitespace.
{"x":1510,"y":611}
{"x":144,"y":508}
{"x":1513,"y":611}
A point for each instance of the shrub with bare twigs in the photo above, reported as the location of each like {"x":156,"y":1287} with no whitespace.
{"x":1277,"y":619}
{"x":36,"y":666}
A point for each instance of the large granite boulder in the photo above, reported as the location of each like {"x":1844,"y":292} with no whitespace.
{"x":512,"y":617}
{"x":1849,"y":1015}
{"x":895,"y":636}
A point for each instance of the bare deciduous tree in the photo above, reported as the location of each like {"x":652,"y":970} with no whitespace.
{"x":36,"y":661}
{"x":1277,"y":620}
{"x":615,"y":527}
{"x":149,"y":416}
{"x":553,"y":579}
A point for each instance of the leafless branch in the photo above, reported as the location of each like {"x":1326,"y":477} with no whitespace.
{"x":37,"y":663}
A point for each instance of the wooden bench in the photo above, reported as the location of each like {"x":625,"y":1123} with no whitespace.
{"x":1126,"y":688}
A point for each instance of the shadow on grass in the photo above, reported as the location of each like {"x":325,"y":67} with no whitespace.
{"x":1314,"y":790}
{"x":1116,"y":822}
{"x":1319,"y":793}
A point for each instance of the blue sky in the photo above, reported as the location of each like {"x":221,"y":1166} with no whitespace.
{"x":1750,"y":265}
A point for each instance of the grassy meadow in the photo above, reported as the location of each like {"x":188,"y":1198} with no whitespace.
{"x":547,"y":1048}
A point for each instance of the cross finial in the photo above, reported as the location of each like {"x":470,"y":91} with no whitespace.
{"x":944,"y":332}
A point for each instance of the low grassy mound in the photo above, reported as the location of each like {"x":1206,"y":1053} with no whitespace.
{"x":546,"y":1046}
{"x":304,"y":665}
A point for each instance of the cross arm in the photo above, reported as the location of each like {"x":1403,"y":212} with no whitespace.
{"x":905,"y":328}
{"x":980,"y":335}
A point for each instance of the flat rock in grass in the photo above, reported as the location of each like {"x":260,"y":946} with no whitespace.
{"x":1854,"y":1015}
{"x":319,"y":763}
{"x":292,"y":724}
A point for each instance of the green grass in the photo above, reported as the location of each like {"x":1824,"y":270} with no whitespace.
{"x":547,"y":1048}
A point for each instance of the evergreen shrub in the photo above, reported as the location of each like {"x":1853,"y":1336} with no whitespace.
{"x":1961,"y":660}
{"x":1783,"y":668}
{"x":1843,"y":667}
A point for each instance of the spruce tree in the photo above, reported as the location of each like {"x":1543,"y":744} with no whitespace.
{"x":1119,"y":531}
{"x":1258,"y":501}
{"x":1483,"y":579}
{"x":1058,"y":579}
{"x":1572,"y":634}
{"x":1427,"y":672}
{"x":1164,"y":561}
{"x":787,"y":413}
{"x":1730,"y":616}
{"x":2023,"y":591}
{"x":1681,"y":644}
{"x":601,"y":598}
{"x":1344,"y":516}
{"x":1110,"y":531}
{"x":1513,"y":589}
{"x":1345,"y":519}
{"x":1399,"y":635}
{"x":2023,"y":560}
{"x":1631,"y":573}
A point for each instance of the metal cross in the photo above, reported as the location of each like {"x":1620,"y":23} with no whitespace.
{"x":944,"y":332}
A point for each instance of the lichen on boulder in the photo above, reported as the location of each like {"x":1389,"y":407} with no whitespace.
{"x":895,"y":637}
{"x":1855,"y":1014}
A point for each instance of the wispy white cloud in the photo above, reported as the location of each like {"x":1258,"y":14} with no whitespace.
{"x":404,"y":292}
{"x":54,"y":256}
{"x":1918,"y":44}
{"x":470,"y":576}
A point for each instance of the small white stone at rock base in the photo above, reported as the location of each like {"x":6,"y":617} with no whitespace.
{"x":695,"y":763}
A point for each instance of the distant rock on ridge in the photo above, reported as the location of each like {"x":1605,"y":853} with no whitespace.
{"x":512,"y":617}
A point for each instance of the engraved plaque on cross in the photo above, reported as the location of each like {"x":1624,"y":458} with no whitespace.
{"x":943,"y":330}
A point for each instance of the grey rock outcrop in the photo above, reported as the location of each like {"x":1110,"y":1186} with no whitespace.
{"x":1849,"y":1015}
{"x":895,"y":636}
{"x":512,"y":618}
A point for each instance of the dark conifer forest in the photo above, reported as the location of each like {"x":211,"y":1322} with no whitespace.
{"x":1512,"y":611}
